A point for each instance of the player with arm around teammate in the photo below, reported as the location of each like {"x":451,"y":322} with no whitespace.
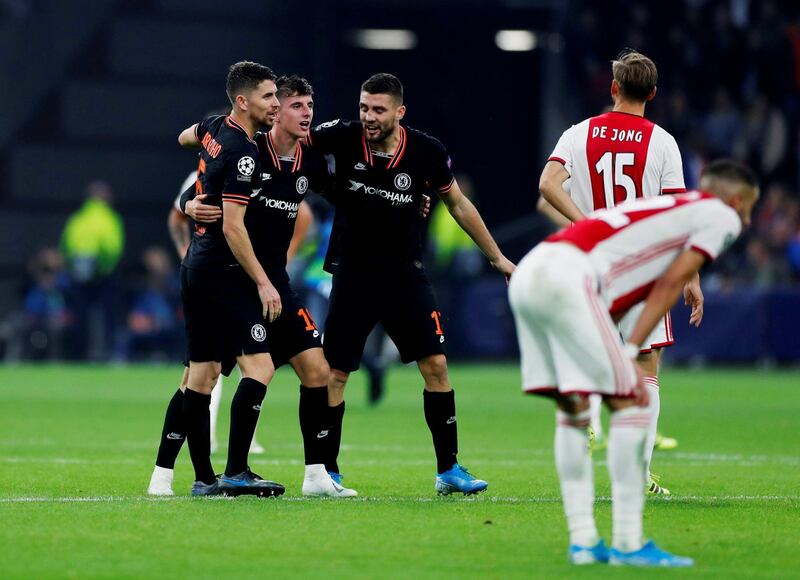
{"x":614,"y":158}
{"x":566,"y":296}
{"x":289,"y":170}
{"x":227,"y":295}
{"x":375,"y":256}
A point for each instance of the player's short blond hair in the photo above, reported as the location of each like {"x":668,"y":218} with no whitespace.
{"x":635,"y":74}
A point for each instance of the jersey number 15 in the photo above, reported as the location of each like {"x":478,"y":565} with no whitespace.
{"x":611,"y":167}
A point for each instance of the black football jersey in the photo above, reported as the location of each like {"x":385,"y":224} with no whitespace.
{"x":377,"y":196}
{"x":228,"y":171}
{"x":283,"y":183}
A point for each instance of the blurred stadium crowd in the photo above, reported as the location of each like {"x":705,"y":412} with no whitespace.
{"x":729,"y":86}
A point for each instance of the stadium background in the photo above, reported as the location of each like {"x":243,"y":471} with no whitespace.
{"x":98,"y":90}
{"x":108,"y":84}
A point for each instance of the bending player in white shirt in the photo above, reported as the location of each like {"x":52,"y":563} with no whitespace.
{"x":566,"y":296}
{"x":611,"y":159}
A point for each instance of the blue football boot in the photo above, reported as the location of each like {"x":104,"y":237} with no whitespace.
{"x":457,"y":478}
{"x":249,"y":483}
{"x":201,"y":488}
{"x":582,"y":555}
{"x":648,"y":555}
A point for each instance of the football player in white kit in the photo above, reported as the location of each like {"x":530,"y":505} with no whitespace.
{"x":566,"y":296}
{"x":610,"y":159}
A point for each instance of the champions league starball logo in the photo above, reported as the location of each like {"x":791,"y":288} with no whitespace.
{"x":302,"y":185}
{"x":246,"y":166}
{"x":402,"y":181}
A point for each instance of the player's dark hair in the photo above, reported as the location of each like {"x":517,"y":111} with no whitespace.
{"x":245,"y":76}
{"x":294,"y":86}
{"x":384,"y":84}
{"x":731,"y":170}
{"x":635,"y":74}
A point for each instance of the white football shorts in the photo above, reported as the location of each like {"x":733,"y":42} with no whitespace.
{"x":567,"y":340}
{"x":659,"y":338}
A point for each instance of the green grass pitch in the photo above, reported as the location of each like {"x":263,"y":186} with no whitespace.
{"x":77,"y":445}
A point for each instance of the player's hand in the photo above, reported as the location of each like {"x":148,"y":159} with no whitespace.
{"x":503,"y":265}
{"x":693,"y":296}
{"x":270,"y":301}
{"x":202,"y":213}
{"x":640,"y":395}
{"x":425,"y":206}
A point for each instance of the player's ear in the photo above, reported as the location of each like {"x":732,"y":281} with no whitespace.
{"x":614,"y":88}
{"x":401,"y":112}
{"x":241,"y":102}
{"x":652,"y":94}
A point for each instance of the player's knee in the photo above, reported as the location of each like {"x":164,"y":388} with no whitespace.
{"x":258,"y":367}
{"x":316,"y":376}
{"x":434,"y":371}
{"x":572,"y":404}
{"x":338,"y":379}
{"x":203,"y":376}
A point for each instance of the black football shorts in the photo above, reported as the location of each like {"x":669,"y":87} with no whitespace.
{"x":222,"y":314}
{"x":402,"y":301}
{"x":292,"y":333}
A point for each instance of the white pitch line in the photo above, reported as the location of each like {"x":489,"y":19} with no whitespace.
{"x":393,"y":499}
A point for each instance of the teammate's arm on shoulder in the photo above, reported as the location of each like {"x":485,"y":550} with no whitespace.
{"x":323,"y":136}
{"x":551,"y":187}
{"x":188,"y":137}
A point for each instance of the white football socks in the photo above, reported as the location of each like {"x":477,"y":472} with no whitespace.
{"x":216,"y":398}
{"x":626,"y":440}
{"x":574,"y":466}
{"x":651,"y":383}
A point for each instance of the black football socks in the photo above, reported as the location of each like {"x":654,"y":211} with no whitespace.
{"x":335,"y":418}
{"x":173,"y":433}
{"x":245,"y":409}
{"x":440,"y":414}
{"x":197,"y":421}
{"x":314,"y":423}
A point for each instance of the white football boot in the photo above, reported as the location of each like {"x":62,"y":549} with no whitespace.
{"x":318,"y":483}
{"x":161,"y":482}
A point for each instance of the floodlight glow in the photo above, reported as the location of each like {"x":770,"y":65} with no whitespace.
{"x":515,"y":40}
{"x":384,"y":39}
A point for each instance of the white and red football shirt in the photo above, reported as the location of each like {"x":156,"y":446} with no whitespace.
{"x":631,"y":246}
{"x":618,"y":157}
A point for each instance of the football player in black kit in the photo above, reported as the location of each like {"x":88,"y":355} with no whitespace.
{"x":375,"y":256}
{"x":226,"y":293}
{"x":288,"y":170}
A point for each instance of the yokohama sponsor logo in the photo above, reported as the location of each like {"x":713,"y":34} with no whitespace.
{"x":392,"y":196}
{"x":280,"y":204}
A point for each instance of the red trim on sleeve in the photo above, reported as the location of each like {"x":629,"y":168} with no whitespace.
{"x":561,"y":161}
{"x":235,"y":198}
{"x":674,"y":190}
{"x":700,"y":250}
{"x":446,"y":188}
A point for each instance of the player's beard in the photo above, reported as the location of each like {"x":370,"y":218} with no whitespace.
{"x":384,"y":132}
